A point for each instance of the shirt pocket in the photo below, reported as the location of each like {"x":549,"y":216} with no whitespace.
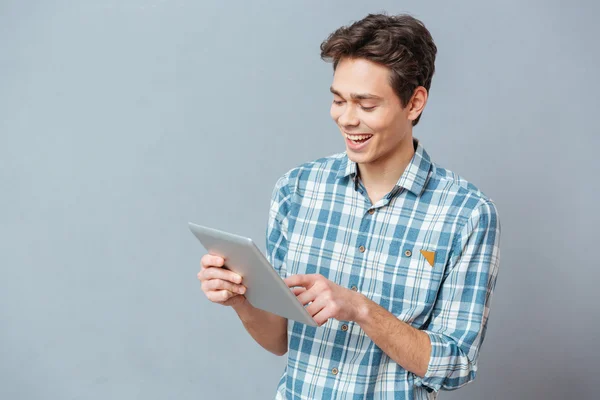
{"x":423,"y":274}
{"x":410,"y":279}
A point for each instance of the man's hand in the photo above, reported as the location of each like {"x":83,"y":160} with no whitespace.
{"x":220,"y":285}
{"x":328,"y":300}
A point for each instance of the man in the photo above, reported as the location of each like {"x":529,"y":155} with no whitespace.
{"x":395,"y":257}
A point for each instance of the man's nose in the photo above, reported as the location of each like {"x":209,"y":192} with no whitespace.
{"x":349,"y":117}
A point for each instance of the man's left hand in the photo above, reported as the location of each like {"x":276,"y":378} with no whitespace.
{"x":328,"y":300}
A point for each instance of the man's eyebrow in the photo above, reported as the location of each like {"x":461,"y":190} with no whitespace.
{"x":357,"y":96}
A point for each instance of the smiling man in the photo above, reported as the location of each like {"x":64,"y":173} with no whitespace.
{"x":395,"y":257}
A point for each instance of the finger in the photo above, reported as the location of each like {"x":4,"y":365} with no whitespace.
{"x":298,"y":290}
{"x":322,"y":316}
{"x":220,"y":296}
{"x":220,"y":284}
{"x":315,"y":307}
{"x":210,"y":260}
{"x":300,"y":280}
{"x":307,"y":296}
{"x":220,"y":273}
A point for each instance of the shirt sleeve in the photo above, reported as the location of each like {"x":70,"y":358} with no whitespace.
{"x":459,"y":319}
{"x":277,"y":243}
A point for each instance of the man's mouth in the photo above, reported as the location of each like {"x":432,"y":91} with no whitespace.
{"x":358,"y":138}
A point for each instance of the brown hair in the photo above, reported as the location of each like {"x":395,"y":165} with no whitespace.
{"x":399,"y":42}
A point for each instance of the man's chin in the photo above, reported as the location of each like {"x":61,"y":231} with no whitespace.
{"x":356,"y":157}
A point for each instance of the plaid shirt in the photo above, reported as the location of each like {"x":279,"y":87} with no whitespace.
{"x":322,"y":221}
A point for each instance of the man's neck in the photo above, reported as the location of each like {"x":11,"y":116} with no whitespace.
{"x":380,"y":177}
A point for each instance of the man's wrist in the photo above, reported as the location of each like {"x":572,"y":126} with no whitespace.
{"x":243,"y":308}
{"x":363,"y":306}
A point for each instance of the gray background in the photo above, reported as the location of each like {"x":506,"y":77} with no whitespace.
{"x":122,"y":120}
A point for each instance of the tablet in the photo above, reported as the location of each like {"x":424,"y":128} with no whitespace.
{"x":264,"y":287}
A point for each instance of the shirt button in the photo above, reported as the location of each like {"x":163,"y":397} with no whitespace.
{"x":408,"y":253}
{"x":335,"y":371}
{"x":371,"y":211}
{"x":361,"y":249}
{"x":354,"y":288}
{"x":344,"y":327}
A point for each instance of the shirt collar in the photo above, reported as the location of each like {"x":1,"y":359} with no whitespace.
{"x":413,"y":178}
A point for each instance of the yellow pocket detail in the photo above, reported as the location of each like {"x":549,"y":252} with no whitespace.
{"x":429,"y":256}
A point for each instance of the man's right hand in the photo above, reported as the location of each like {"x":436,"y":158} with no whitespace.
{"x":220,"y":285}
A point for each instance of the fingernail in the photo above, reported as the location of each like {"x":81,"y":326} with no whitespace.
{"x":242,"y":290}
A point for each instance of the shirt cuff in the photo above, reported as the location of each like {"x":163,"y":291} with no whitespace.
{"x":444,"y":361}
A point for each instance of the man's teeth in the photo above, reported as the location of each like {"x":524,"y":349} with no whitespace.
{"x":357,"y":137}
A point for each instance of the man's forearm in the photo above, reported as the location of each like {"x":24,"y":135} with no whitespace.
{"x":408,"y":346}
{"x":267,"y":329}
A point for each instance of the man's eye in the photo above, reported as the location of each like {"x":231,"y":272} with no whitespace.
{"x":368,"y":108}
{"x":338,"y":102}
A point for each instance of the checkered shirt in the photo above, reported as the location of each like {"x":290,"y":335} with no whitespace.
{"x":322,"y":221}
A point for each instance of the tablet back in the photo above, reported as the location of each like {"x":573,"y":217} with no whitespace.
{"x":264,"y":287}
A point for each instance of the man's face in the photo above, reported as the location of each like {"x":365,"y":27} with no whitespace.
{"x":367,"y":111}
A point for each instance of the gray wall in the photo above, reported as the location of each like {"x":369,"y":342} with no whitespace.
{"x":122,"y":120}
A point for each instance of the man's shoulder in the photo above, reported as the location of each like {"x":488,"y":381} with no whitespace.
{"x":445,"y":180}
{"x":315,"y":171}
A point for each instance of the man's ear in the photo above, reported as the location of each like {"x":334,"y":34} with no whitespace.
{"x":417,"y":103}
